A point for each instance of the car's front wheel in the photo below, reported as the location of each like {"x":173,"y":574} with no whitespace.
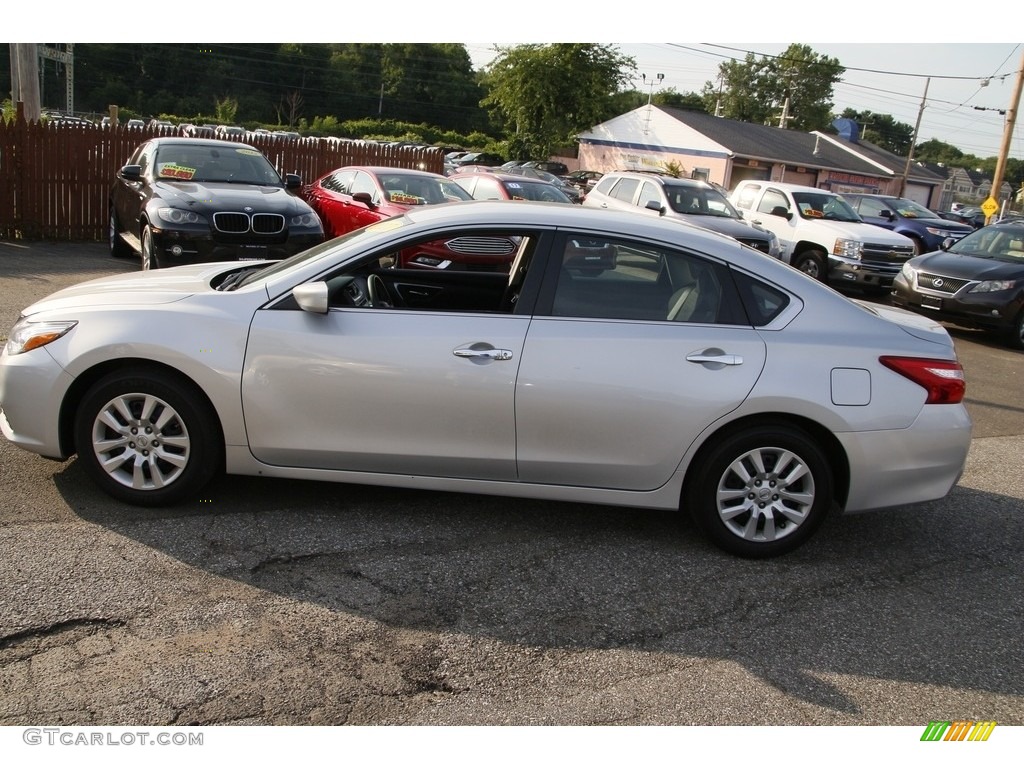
{"x":1015,"y":337}
{"x":811,"y":263}
{"x":147,"y":437}
{"x":761,"y":492}
{"x":149,"y":257}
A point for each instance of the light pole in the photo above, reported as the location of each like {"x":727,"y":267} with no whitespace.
{"x":650,"y":94}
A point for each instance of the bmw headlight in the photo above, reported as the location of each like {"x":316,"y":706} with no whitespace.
{"x":849,"y":249}
{"x":305,"y":220}
{"x":179,"y":216}
{"x":27,"y":335}
{"x":991,"y":286}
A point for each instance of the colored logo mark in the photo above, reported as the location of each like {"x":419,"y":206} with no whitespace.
{"x":958,"y":730}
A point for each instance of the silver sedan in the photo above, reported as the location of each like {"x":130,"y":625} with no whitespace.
{"x":614,"y":360}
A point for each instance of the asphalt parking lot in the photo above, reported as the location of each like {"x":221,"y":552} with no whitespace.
{"x":280,"y":602}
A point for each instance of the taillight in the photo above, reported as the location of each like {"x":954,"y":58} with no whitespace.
{"x":942,"y":379}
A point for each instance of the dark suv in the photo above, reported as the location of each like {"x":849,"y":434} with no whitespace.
{"x":695,"y":202}
{"x":926,"y":228}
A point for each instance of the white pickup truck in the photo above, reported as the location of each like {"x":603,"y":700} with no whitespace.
{"x":822,"y":235}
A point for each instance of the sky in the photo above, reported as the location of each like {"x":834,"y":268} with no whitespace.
{"x":887,"y":78}
{"x":884,"y":74}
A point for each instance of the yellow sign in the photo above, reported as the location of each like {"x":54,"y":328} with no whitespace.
{"x":989,"y":207}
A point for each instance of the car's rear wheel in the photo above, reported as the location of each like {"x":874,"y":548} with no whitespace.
{"x":761,"y":492}
{"x":149,"y":257}
{"x":119,"y":249}
{"x":811,"y":263}
{"x":147,"y":437}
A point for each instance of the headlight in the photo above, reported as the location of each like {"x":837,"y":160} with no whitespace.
{"x":178,"y":216}
{"x":27,"y":335}
{"x":908,"y":272}
{"x":774,"y":246}
{"x":943,"y":233}
{"x":990,"y":286}
{"x":305,"y":220}
{"x":849,"y":249}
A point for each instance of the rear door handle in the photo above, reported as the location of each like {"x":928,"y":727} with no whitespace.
{"x":714,"y":358}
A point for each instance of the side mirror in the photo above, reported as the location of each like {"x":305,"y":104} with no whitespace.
{"x":887,"y":214}
{"x":783,"y":211}
{"x":131,"y":173}
{"x":364,"y":197}
{"x":947,"y":243}
{"x":292,"y":181}
{"x":654,"y":205}
{"x":312,"y":297}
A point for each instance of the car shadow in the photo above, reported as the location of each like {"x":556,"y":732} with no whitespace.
{"x":916,"y":594}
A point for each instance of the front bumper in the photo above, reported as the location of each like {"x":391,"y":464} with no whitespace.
{"x":995,"y":311}
{"x":32,"y":388}
{"x":861,"y":273}
{"x":177,"y":247}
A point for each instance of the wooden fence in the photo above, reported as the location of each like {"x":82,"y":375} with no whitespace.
{"x":55,"y":179}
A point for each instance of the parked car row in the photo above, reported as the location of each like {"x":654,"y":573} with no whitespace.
{"x":186,"y":200}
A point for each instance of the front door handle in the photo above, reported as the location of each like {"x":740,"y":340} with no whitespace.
{"x":481,"y":352}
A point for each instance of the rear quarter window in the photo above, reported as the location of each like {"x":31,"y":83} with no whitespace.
{"x":762,"y":302}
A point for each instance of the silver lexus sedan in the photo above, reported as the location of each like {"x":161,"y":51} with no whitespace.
{"x":617,"y":359}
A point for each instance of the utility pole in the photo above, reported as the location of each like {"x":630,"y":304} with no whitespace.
{"x":1011,"y":119}
{"x":913,"y":140}
{"x":25,"y":78}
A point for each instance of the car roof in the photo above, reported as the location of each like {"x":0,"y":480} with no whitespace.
{"x":379,"y":169}
{"x":664,"y":179}
{"x":197,"y":142}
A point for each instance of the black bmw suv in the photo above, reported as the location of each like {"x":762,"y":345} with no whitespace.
{"x":185,"y":200}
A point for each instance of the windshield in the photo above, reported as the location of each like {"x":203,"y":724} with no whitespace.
{"x":410,"y":189}
{"x":908,"y":209}
{"x":1005,"y":243}
{"x":535,"y":190}
{"x":822,"y":205}
{"x":699,"y":201}
{"x":213,"y":163}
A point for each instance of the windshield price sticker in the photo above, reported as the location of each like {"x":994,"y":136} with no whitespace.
{"x":175,"y":171}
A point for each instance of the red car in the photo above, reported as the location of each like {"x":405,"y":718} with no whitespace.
{"x":352,"y":197}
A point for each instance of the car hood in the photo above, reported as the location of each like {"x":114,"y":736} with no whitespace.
{"x":222,"y":196}
{"x":861,"y":230}
{"x":968,"y":267}
{"x":726,"y":226}
{"x":155,"y":287}
{"x":946,"y":224}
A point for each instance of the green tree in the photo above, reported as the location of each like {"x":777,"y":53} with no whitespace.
{"x":543,"y":95}
{"x":883,"y":130}
{"x":757,"y":90}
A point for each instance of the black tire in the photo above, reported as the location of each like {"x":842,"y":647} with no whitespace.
{"x":919,"y":246}
{"x":742,"y":504}
{"x":148,"y":254}
{"x":119,"y":249}
{"x":1015,"y":336}
{"x":812,"y":263}
{"x":147,"y":438}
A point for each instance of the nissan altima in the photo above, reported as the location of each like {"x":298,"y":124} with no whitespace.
{"x":620,"y":360}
